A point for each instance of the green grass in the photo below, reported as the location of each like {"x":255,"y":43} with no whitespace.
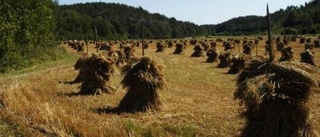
{"x":65,"y":60}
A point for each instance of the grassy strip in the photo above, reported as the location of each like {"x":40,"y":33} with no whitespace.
{"x":9,"y":130}
{"x":68,"y":59}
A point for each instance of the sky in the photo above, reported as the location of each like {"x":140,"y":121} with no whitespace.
{"x":203,"y":11}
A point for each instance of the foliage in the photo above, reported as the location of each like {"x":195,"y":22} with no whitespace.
{"x":242,"y":25}
{"x":26,"y":33}
{"x":119,"y":21}
{"x":304,"y":19}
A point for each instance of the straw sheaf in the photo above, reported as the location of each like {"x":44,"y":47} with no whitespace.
{"x":262,"y":81}
{"x":104,"y":67}
{"x":160,"y":47}
{"x":143,"y":72}
{"x":293,"y":71}
{"x":179,"y":48}
{"x":312,"y":70}
{"x":275,"y":96}
{"x":143,"y":78}
{"x":308,"y":57}
{"x":254,"y":67}
{"x":286,"y":54}
{"x":238,"y":63}
{"x":274,"y":119}
{"x":198,"y":51}
{"x":252,"y":91}
{"x":129,"y":52}
{"x":81,"y":60}
{"x":212,"y":54}
{"x":225,"y":59}
{"x":94,"y":73}
{"x":118,"y":56}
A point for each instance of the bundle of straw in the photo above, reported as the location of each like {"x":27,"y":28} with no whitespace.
{"x":160,"y":47}
{"x":94,"y":74}
{"x":128,"y":51}
{"x":308,"y":57}
{"x":238,"y":63}
{"x":212,"y":54}
{"x":143,"y":78}
{"x":275,"y":96}
{"x":286,"y":54}
{"x":179,"y":48}
{"x":198,"y":51}
{"x":225,"y":59}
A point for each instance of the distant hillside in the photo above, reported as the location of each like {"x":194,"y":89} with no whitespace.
{"x":301,"y":20}
{"x":119,"y":21}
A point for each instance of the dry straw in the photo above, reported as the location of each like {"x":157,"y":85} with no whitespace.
{"x":128,"y":51}
{"x":247,"y":48}
{"x":228,"y":45}
{"x":179,"y":48}
{"x":143,"y":78}
{"x":205,"y":46}
{"x":308,"y":57}
{"x":316,"y":43}
{"x":225,"y":59}
{"x":94,"y":74}
{"x":286,"y":54}
{"x":280,"y":45}
{"x":275,"y":97}
{"x":198,"y":51}
{"x":309,"y":46}
{"x":170,"y":44}
{"x":118,"y":56}
{"x":212,"y":54}
{"x":160,"y":47}
{"x":238,"y":63}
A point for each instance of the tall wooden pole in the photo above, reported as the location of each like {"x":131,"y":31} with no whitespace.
{"x":256,"y":49}
{"x":270,"y":46}
{"x":142,"y":38}
{"x":96,"y":38}
{"x":87,"y":43}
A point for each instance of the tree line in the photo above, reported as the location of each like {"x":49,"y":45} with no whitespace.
{"x":118,"y":21}
{"x":303,"y":19}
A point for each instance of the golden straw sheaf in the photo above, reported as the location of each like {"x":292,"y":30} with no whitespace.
{"x":143,"y":78}
{"x":94,"y":73}
{"x":275,"y":97}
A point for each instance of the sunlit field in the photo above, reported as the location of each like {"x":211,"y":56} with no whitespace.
{"x":197,"y":100}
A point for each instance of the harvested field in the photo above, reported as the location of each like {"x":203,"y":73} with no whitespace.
{"x":198,"y":100}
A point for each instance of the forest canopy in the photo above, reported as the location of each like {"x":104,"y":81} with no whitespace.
{"x":119,"y":21}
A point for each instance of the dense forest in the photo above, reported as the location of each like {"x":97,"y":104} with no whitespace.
{"x":118,"y":21}
{"x":304,"y":19}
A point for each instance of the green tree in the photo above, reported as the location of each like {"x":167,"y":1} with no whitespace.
{"x":26,"y":30}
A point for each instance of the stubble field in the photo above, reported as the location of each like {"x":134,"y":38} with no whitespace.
{"x":197,"y":101}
